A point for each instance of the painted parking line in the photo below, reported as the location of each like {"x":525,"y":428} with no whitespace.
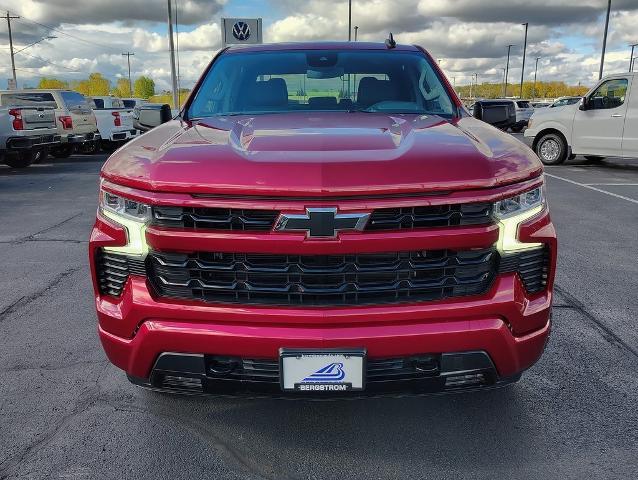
{"x":600,"y":190}
{"x":611,"y":184}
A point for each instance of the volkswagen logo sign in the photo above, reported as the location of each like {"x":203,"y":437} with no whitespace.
{"x":241,"y":31}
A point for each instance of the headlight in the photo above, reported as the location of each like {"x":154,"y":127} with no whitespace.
{"x":511,"y":212}
{"x":130,"y":214}
{"x":123,"y":206}
{"x":520,"y":203}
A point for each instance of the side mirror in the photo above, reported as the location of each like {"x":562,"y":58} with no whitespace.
{"x":146,"y":117}
{"x":583,"y":104}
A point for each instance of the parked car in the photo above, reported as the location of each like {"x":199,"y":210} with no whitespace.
{"x":500,"y":113}
{"x":76,"y":123}
{"x":27,"y":127}
{"x":603,"y":124}
{"x":333,"y":245}
{"x":524,"y":111}
{"x":562,"y":101}
{"x":537,"y":105}
{"x":134,"y":102}
{"x":114,"y":122}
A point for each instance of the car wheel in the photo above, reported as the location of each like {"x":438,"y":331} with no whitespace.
{"x":63,"y":151}
{"x":594,"y":158}
{"x":552,"y":149}
{"x":23,"y":159}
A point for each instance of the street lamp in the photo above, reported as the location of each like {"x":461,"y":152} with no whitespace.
{"x":507,"y":69}
{"x":49,"y":37}
{"x":520,"y":95}
{"x":602,"y":56}
{"x":631,"y":57}
{"x":356,"y":29}
{"x":535,"y":72}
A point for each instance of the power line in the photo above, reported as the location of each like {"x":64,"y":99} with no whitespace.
{"x":49,"y":62}
{"x":55,"y":29}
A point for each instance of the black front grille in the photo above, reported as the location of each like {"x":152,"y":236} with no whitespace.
{"x":377,"y":370}
{"x":317,"y":280}
{"x":214,"y":218}
{"x":113,"y":270}
{"x":432,"y":216}
{"x":380,"y":219}
{"x":532,"y":266}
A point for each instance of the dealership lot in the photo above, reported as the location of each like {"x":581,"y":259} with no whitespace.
{"x":65,"y":412}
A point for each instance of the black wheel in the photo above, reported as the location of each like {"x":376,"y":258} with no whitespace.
{"x":41,"y":154}
{"x":107,"y":146}
{"x":63,"y":151}
{"x":594,"y":158}
{"x":517,"y":129}
{"x":551,"y":148}
{"x":23,"y":158}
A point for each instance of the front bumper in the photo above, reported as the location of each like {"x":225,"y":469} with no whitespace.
{"x":32,"y":141}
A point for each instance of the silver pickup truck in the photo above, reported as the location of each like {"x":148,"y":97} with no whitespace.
{"x":27,"y":129}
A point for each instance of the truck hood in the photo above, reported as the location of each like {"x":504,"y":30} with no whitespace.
{"x":321,"y":154}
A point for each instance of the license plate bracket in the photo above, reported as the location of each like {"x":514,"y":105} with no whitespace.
{"x":322,"y":370}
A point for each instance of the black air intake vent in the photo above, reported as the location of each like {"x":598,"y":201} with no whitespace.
{"x":113,"y":270}
{"x":532,"y":266}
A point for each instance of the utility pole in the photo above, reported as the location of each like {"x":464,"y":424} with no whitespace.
{"x":507,"y":69}
{"x":503,"y":68}
{"x":349,"y":20}
{"x":471,"y":83}
{"x":520,"y":95}
{"x":128,"y":59}
{"x":602,"y":56}
{"x":631,"y":57}
{"x":535,"y":72}
{"x":476,"y":75}
{"x":9,"y":17}
{"x":171,"y":46}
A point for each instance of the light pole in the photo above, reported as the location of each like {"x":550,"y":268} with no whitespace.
{"x":503,"y":68}
{"x":520,"y":95}
{"x":356,"y":29}
{"x":602,"y":56}
{"x":535,"y":72}
{"x":476,"y":75}
{"x":171,"y":47}
{"x":507,"y":69}
{"x":631,"y":57}
{"x":128,"y":59}
{"x":349,"y":20}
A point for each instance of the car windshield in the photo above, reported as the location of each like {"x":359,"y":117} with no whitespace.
{"x":322,"y":80}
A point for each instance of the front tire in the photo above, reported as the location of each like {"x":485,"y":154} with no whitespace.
{"x":23,"y":159}
{"x":551,"y":148}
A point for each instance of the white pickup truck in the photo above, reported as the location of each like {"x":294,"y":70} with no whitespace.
{"x":114,"y":122}
{"x":603,"y":124}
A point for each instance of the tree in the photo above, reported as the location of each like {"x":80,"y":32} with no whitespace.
{"x":144,"y":87}
{"x":52,"y":83}
{"x":122,"y":88}
{"x":95,"y":85}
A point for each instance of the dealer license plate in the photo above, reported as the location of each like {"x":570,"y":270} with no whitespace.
{"x":322,"y":370}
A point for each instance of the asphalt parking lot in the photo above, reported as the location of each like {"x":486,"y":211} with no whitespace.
{"x":65,"y":412}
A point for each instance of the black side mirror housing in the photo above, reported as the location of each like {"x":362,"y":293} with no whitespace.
{"x":583,"y":104}
{"x":150,"y":116}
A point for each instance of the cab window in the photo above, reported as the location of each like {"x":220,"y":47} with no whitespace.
{"x":610,"y":94}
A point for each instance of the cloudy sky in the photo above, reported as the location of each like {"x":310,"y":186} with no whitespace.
{"x":467,"y":35}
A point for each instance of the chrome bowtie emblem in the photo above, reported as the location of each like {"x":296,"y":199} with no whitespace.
{"x":321,"y":222}
{"x":241,"y":31}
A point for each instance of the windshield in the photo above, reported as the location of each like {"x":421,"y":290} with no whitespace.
{"x":321,"y":80}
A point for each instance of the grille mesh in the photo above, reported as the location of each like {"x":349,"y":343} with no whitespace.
{"x":532,"y":266}
{"x":113,"y":270}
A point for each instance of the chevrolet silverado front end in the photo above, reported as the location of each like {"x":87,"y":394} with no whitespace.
{"x":323,"y":219}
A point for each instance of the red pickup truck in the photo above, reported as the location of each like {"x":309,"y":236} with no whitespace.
{"x":323,"y":219}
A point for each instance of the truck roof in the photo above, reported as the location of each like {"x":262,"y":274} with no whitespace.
{"x":268,"y":47}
